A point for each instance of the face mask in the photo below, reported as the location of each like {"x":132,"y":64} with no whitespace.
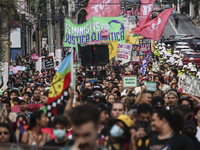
{"x":146,"y":125}
{"x":59,"y":133}
{"x":116,"y":131}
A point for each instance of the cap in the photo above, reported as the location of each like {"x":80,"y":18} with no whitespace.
{"x":10,"y":73}
{"x":126,"y":120}
{"x":14,"y":64}
{"x":191,"y":58}
{"x":44,"y":73}
{"x":18,"y":53}
{"x":22,"y":100}
{"x":190,"y":124}
{"x":144,"y":78}
{"x":97,"y":87}
{"x":172,"y":93}
{"x":158,"y":104}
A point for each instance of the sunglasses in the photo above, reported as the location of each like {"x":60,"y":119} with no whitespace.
{"x":5,"y":133}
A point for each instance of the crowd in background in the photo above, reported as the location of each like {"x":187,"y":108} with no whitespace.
{"x":102,"y":114}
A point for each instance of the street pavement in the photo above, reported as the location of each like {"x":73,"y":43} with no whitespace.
{"x":185,"y":27}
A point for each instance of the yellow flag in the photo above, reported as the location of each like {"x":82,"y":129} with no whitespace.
{"x":112,"y":45}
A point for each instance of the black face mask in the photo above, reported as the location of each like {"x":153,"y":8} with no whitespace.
{"x":191,"y":135}
{"x":146,"y":125}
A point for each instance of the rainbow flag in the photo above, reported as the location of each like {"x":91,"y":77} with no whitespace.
{"x":60,"y":85}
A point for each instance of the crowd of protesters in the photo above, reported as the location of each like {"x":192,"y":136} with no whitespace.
{"x":102,"y":114}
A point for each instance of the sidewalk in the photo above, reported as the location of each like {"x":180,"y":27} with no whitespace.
{"x":194,"y":21}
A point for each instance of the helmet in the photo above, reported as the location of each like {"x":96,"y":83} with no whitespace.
{"x":167,"y":61}
{"x":185,"y":66}
{"x":97,"y":94}
{"x":189,"y":67}
{"x":168,"y":44}
{"x":194,"y":69}
{"x":125,"y":119}
{"x":159,"y":44}
{"x":156,"y":47}
{"x":161,"y":53}
{"x":163,"y":44}
{"x":190,"y":64}
{"x":180,"y":64}
{"x":160,"y":48}
{"x":165,"y":58}
{"x":155,"y":41}
{"x":172,"y":64}
{"x":191,"y":58}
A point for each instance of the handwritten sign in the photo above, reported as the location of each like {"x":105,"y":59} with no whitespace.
{"x":189,"y":85}
{"x":145,"y":45}
{"x":124,"y":52}
{"x":150,"y":86}
{"x":49,"y":62}
{"x":129,"y":81}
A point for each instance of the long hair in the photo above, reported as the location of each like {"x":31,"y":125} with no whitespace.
{"x":33,"y":120}
{"x":12,"y":134}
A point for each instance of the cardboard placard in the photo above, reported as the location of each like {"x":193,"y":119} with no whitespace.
{"x":189,"y":85}
{"x":129,"y":81}
{"x":150,"y":86}
{"x":49,"y":63}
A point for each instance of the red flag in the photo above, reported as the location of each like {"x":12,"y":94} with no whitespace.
{"x":145,"y":11}
{"x":103,"y":8}
{"x":154,"y":28}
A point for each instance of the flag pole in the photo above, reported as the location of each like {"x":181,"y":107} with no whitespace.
{"x":72,"y":67}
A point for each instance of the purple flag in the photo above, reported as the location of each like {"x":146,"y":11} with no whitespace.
{"x":144,"y":64}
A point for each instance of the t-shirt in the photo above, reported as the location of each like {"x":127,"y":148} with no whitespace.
{"x":198,"y":134}
{"x":176,"y":20}
{"x":176,"y":142}
{"x":63,"y":144}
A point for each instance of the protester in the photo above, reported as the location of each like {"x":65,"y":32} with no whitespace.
{"x":6,"y":134}
{"x":33,"y":135}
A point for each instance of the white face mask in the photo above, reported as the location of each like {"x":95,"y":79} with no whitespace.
{"x":116,"y":131}
{"x":59,"y":133}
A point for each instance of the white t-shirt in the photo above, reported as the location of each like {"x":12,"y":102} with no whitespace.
{"x":198,"y":134}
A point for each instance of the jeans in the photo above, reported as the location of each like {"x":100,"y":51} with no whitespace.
{"x":176,"y":25}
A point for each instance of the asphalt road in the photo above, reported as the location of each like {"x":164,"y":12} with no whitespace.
{"x":185,"y":27}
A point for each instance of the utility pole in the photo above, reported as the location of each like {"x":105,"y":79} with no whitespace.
{"x":49,"y":25}
{"x":37,"y":28}
{"x":57,"y":32}
{"x":57,"y":24}
{"x":70,"y":10}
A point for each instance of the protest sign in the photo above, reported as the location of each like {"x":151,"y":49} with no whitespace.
{"x":129,"y":81}
{"x":90,"y":31}
{"x":145,"y":45}
{"x":49,"y":63}
{"x":189,"y":85}
{"x":35,"y":57}
{"x":22,"y":68}
{"x":135,"y":58}
{"x":150,"y":86}
{"x":124,"y":52}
